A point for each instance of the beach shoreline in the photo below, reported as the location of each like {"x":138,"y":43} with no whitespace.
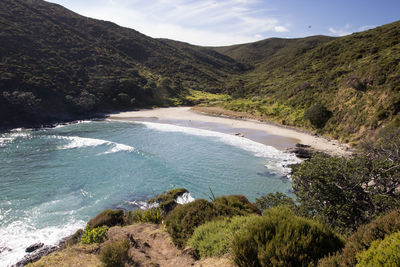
{"x":285,"y":137}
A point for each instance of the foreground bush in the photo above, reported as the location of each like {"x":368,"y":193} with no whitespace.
{"x":142,"y":216}
{"x":184,"y":219}
{"x":214,"y":238}
{"x":95,"y":235}
{"x":115,"y":254}
{"x":279,"y":238}
{"x":381,"y":253}
{"x":107,"y":218}
{"x":363,"y":238}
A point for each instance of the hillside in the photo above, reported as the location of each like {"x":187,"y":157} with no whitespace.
{"x":56,"y":65}
{"x":355,"y":77}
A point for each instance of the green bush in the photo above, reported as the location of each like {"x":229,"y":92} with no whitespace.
{"x":107,"y":218}
{"x":214,"y":238}
{"x":318,"y":115}
{"x":115,"y":254}
{"x":166,"y":201}
{"x":275,"y":199}
{"x":363,"y":238}
{"x":95,"y":235}
{"x":142,"y":216}
{"x":184,"y":219}
{"x":384,"y":252}
{"x":74,"y":239}
{"x":279,"y":238}
{"x":234,"y":205}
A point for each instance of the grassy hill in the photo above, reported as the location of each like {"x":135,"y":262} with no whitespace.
{"x":356,"y":77}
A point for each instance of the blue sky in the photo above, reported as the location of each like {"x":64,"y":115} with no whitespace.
{"x":226,"y":22}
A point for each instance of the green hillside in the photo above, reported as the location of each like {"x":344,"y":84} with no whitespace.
{"x":58,"y":65}
{"x":356,"y":77}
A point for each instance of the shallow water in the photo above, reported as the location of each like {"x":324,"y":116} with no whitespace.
{"x":53,"y":180}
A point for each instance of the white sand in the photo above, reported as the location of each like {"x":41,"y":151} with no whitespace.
{"x":331,"y":147}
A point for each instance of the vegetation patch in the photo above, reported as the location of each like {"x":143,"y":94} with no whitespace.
{"x":381,"y":253}
{"x":107,"y":218}
{"x":214,"y":238}
{"x":279,"y":238}
{"x":152,"y":215}
{"x":115,"y":254}
{"x":95,"y":235}
{"x":166,"y":201}
{"x":362,"y":239}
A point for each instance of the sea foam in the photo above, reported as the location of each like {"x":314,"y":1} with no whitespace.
{"x":81,"y":142}
{"x":277,"y":161}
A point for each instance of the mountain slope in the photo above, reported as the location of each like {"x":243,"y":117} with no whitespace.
{"x":356,"y":77}
{"x":55,"y":64}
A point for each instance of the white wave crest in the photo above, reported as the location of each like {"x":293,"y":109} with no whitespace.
{"x":20,"y":234}
{"x":80,"y":142}
{"x":10,"y":137}
{"x":184,"y":198}
{"x":277,"y":160}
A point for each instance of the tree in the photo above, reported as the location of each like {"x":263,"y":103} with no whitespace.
{"x":318,"y":115}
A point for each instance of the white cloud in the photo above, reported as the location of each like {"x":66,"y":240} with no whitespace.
{"x":202,"y":22}
{"x":366,"y":27}
{"x":340,"y":31}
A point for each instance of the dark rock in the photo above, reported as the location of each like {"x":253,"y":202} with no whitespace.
{"x":302,"y":153}
{"x":34,"y":247}
{"x":36,"y":255}
{"x":302,"y":146}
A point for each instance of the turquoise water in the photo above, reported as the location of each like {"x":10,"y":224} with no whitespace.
{"x":53,"y":180}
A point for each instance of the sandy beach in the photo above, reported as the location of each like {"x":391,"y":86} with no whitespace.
{"x":187,"y":117}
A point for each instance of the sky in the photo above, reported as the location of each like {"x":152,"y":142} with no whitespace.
{"x":228,"y":22}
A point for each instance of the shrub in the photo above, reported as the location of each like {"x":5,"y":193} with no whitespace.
{"x":214,"y":238}
{"x":184,"y":219}
{"x":363,"y":238}
{"x":95,"y":235}
{"x":234,"y":205}
{"x":108,"y":218}
{"x":273,"y":200}
{"x":279,"y":238}
{"x":382,"y":252}
{"x":115,"y":254}
{"x":318,"y":115}
{"x":142,"y":216}
{"x":166,"y":201}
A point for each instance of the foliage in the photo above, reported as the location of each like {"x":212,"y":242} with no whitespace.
{"x":107,"y":217}
{"x":234,"y":205}
{"x":339,"y":191}
{"x":152,"y":215}
{"x":94,"y":235}
{"x":183,"y":220}
{"x":214,"y":238}
{"x":115,"y":254}
{"x":275,"y":199}
{"x":166,"y":201}
{"x":279,"y":238}
{"x":382,"y":252}
{"x":318,"y":115}
{"x":362,"y":239}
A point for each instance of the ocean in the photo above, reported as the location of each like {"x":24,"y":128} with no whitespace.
{"x":53,"y":180}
